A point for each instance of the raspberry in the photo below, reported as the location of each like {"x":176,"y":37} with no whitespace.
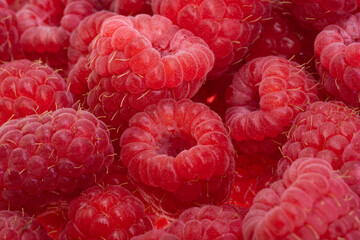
{"x":208,"y":222}
{"x":324,"y":131}
{"x":265,"y":96}
{"x":310,"y":202}
{"x":18,"y":225}
{"x":350,"y":172}
{"x":320,"y":13}
{"x":78,"y":52}
{"x":336,"y":51}
{"x":156,"y":235}
{"x":30,"y":87}
{"x":127,"y":7}
{"x":181,"y":148}
{"x":47,"y":25}
{"x":226,"y":26}
{"x":137,"y":61}
{"x":106,"y":213}
{"x":55,"y":152}
{"x":9,"y":35}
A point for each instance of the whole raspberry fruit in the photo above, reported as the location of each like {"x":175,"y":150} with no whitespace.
{"x":106,"y":213}
{"x":18,"y":225}
{"x":310,"y":202}
{"x":137,"y":61}
{"x":324,"y":131}
{"x":28,"y":87}
{"x":54,"y":152}
{"x":226,"y":26}
{"x":337,"y":55}
{"x":320,"y":13}
{"x":208,"y":222}
{"x":181,"y":148}
{"x":9,"y":36}
{"x":265,"y":96}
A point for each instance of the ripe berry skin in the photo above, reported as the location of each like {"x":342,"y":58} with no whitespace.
{"x":28,"y":87}
{"x":181,"y":150}
{"x":106,"y":213}
{"x":325,"y":130}
{"x":137,"y":61}
{"x":337,"y":59}
{"x":55,"y":152}
{"x":265,"y":96}
{"x":227,"y":27}
{"x":18,"y":225}
{"x":310,"y":202}
{"x":156,"y":235}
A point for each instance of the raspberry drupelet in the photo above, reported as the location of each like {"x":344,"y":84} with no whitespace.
{"x":326,"y":130}
{"x":137,"y":61}
{"x":54,"y":152}
{"x":265,"y":96}
{"x":28,"y":87}
{"x":228,"y":27}
{"x":180,"y":149}
{"x":310,"y":202}
{"x":110,"y":212}
{"x":337,"y":55}
{"x":18,"y":225}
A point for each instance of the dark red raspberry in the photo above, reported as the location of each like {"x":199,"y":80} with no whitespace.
{"x":28,"y":87}
{"x":317,"y":14}
{"x":137,"y":61}
{"x":156,"y":235}
{"x":181,"y":148}
{"x":106,"y":213}
{"x":54,"y":152}
{"x":18,"y":225}
{"x":265,"y":96}
{"x":208,"y":222}
{"x":324,"y":131}
{"x":46,"y":27}
{"x":9,"y":36}
{"x":310,"y":202}
{"x":226,"y":26}
{"x":78,"y":52}
{"x":128,"y":7}
{"x":337,"y":54}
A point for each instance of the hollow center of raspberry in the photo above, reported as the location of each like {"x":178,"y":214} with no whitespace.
{"x":174,"y":143}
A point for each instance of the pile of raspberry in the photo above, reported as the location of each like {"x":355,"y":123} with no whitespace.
{"x":179,"y":119}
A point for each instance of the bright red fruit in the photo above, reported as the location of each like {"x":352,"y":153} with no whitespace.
{"x":181,"y":148}
{"x":310,"y":202}
{"x":228,"y":27}
{"x":18,"y":225}
{"x":28,"y":87}
{"x":325,"y":131}
{"x":54,"y":152}
{"x":106,"y":213}
{"x":265,"y":96}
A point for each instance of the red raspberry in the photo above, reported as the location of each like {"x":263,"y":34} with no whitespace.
{"x":310,"y":202}
{"x":226,"y":26}
{"x":324,"y":130}
{"x":156,"y":235}
{"x":47,"y":25}
{"x":350,"y":172}
{"x":337,"y":54}
{"x":3,"y":4}
{"x":208,"y":222}
{"x":180,"y":148}
{"x":59,"y":151}
{"x":137,"y":61}
{"x":9,"y":36}
{"x":28,"y":87}
{"x":265,"y":96}
{"x":106,"y":213}
{"x":16,"y":5}
{"x":320,"y":13}
{"x":78,"y":52}
{"x":18,"y":225}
